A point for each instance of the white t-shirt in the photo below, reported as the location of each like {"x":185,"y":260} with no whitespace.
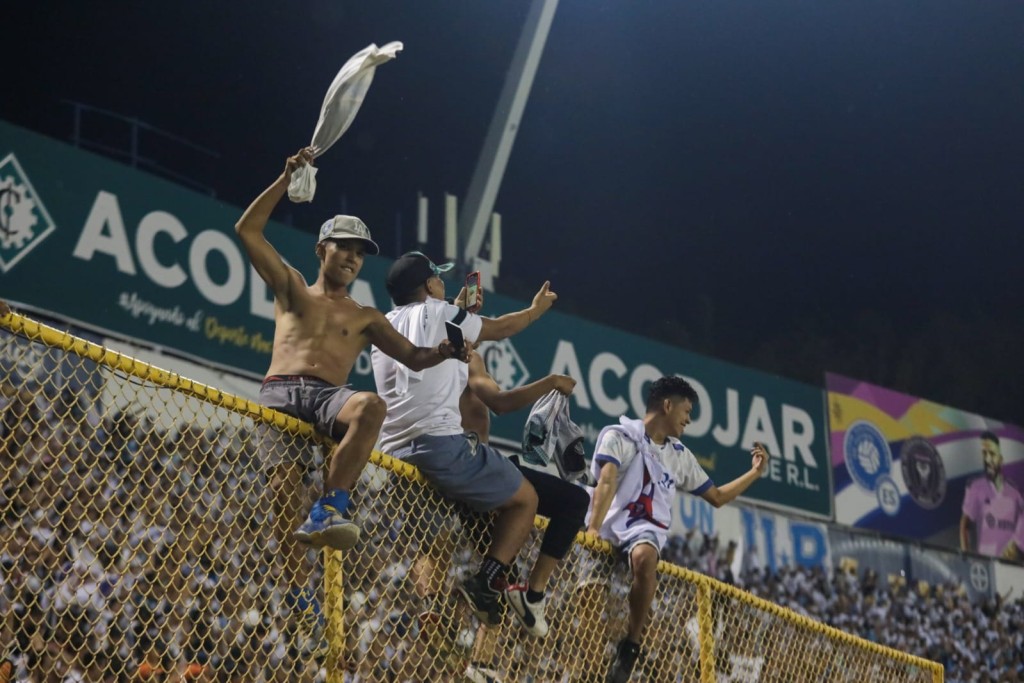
{"x":646,"y":484}
{"x":425,"y":402}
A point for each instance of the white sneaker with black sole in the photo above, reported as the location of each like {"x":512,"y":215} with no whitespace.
{"x":531,"y":614}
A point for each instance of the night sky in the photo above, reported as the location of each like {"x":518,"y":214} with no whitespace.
{"x":796,"y":185}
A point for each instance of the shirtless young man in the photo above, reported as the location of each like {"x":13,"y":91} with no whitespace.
{"x":319,"y":332}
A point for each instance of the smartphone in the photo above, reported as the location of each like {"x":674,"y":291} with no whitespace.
{"x":473,"y":297}
{"x":454,"y":334}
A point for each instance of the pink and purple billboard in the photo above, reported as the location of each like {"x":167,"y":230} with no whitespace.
{"x":908,"y":467}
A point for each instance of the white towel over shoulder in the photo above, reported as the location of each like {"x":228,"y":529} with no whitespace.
{"x":341,"y":104}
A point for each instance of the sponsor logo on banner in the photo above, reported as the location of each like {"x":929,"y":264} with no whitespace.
{"x":923,"y":472}
{"x":979,"y":577}
{"x":24,"y":220}
{"x":924,"y":465}
{"x":504,"y":364}
{"x":888,"y":495}
{"x":867,"y":454}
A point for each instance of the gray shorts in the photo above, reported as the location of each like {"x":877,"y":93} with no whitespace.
{"x":309,"y":399}
{"x":480,"y":477}
{"x":645,"y":538}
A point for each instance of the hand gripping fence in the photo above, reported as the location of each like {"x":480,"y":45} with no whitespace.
{"x":139,"y":541}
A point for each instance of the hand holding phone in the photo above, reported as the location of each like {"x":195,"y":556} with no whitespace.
{"x":474,"y":295}
{"x":455,"y":335}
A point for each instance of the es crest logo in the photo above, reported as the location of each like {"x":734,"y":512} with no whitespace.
{"x":24,"y":221}
{"x":504,"y":364}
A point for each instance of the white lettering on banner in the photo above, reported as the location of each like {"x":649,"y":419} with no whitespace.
{"x":231,"y":289}
{"x":730,"y":435}
{"x":104,"y":233}
{"x":603,"y":363}
{"x":565,"y":362}
{"x":137,"y":307}
{"x":364,"y":363}
{"x":738,"y":429}
{"x":153,"y":223}
{"x":797,"y":441}
{"x":105,"y":213}
{"x":758,"y":428}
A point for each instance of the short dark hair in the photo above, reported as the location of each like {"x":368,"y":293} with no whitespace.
{"x":669,"y":386}
{"x":990,"y":436}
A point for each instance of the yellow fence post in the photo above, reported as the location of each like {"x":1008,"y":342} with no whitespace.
{"x":334,"y":613}
{"x":705,"y":623}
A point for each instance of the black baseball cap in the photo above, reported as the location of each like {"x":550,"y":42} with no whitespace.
{"x":411,"y":271}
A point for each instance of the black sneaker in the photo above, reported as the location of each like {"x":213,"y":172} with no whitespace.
{"x":625,"y":660}
{"x":484,"y":600}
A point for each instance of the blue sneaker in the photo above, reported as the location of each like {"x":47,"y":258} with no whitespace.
{"x":325,"y":526}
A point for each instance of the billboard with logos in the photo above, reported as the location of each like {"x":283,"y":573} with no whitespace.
{"x":120,"y":251}
{"x":909,"y":467}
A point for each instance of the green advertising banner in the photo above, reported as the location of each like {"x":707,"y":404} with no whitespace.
{"x":120,"y":251}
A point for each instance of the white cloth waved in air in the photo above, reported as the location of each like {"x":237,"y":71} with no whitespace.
{"x":341,"y":104}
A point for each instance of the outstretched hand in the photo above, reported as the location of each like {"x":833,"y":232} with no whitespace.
{"x":543,"y":299}
{"x":301,"y":158}
{"x":759,"y":457}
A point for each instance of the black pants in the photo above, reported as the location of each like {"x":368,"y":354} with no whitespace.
{"x":563,"y":503}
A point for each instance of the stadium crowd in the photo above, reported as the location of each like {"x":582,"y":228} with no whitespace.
{"x":974,"y":642}
{"x":134,"y":551}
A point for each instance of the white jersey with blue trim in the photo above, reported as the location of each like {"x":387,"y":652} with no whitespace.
{"x":648,"y":477}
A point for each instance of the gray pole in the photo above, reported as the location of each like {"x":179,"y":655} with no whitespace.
{"x":490,"y":168}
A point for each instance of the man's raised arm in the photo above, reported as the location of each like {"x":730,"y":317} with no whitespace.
{"x":719,"y":496}
{"x":503,"y":327}
{"x":265,"y":259}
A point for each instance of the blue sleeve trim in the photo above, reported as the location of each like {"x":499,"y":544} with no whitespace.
{"x":460,"y":316}
{"x":703,"y":487}
{"x":600,"y":458}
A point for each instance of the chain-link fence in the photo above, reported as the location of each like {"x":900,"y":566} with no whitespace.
{"x":140,"y":541}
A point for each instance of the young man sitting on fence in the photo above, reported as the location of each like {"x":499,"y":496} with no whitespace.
{"x":639,"y":465}
{"x":564,"y":503}
{"x":423,"y":425}
{"x":319,"y":331}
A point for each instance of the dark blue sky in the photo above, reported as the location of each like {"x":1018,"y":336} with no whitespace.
{"x":796,"y":185}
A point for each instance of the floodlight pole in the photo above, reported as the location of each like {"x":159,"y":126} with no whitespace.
{"x":475,"y":217}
